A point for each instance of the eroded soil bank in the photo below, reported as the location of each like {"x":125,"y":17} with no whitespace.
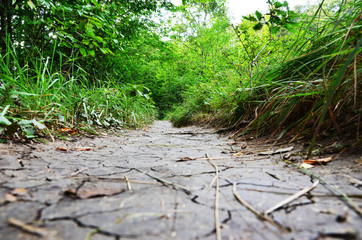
{"x":158,"y":184}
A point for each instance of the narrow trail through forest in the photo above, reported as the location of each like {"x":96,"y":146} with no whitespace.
{"x":161,"y":183}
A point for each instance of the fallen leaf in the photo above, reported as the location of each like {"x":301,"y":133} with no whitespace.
{"x":92,"y":190}
{"x":306,"y":165}
{"x":71,"y":193}
{"x":237,"y":154}
{"x":19,"y":191}
{"x":83,"y":149}
{"x":62,"y":149}
{"x":68,"y":130}
{"x":10,"y":198}
{"x":318,"y":161}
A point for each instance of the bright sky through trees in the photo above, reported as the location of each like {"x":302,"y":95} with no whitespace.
{"x":239,"y":8}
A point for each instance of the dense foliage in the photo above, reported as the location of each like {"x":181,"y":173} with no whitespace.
{"x":123,"y":63}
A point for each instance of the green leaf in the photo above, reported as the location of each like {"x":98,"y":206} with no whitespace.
{"x":275,"y":30}
{"x":258,"y":15}
{"x":30,"y":127}
{"x":258,"y":26}
{"x":92,"y":53}
{"x":83,"y":52}
{"x":23,"y":93}
{"x":98,"y":39}
{"x":250,"y":18}
{"x":4,"y":111}
{"x":4,"y":121}
{"x":278,"y":5}
{"x":31,"y":4}
{"x":38,"y":125}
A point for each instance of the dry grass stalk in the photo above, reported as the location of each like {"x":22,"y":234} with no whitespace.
{"x":291,"y":198}
{"x":257,"y":213}
{"x":216,"y":214}
{"x":42,"y":232}
{"x":348,"y":200}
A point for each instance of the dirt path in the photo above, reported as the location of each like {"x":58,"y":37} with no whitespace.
{"x":157,"y":184}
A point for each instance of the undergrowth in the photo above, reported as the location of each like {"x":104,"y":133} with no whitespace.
{"x":313,"y":88}
{"x":49,"y":96}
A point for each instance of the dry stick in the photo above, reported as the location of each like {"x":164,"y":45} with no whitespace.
{"x":349,"y":201}
{"x":41,"y":232}
{"x":216,"y":214}
{"x":257,"y":213}
{"x":164,"y":181}
{"x":291,"y":198}
{"x":128,"y":183}
{"x":50,"y":134}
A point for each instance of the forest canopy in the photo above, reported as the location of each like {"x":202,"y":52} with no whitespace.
{"x":88,"y":63}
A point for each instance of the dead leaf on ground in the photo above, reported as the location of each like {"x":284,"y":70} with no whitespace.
{"x":10,"y":198}
{"x":68,"y":130}
{"x":92,"y":190}
{"x":62,"y":149}
{"x":318,"y":161}
{"x":306,"y":165}
{"x":237,"y":154}
{"x":184,"y":159}
{"x":19,"y":191}
{"x":83,"y":149}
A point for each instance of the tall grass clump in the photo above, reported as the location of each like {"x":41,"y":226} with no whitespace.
{"x":63,"y":94}
{"x":317,"y":91}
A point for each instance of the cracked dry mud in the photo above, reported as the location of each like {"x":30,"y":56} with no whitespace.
{"x":157,"y":184}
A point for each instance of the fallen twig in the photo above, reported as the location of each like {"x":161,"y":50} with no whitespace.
{"x":42,"y":232}
{"x":164,"y":181}
{"x":291,"y":198}
{"x":216,"y":214}
{"x":349,"y":201}
{"x":257,"y":213}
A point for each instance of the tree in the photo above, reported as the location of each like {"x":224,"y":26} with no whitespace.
{"x":278,"y":17}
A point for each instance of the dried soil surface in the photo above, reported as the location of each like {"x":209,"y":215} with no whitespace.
{"x":158,"y":184}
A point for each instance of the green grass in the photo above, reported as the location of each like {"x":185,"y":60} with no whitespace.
{"x":42,"y":90}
